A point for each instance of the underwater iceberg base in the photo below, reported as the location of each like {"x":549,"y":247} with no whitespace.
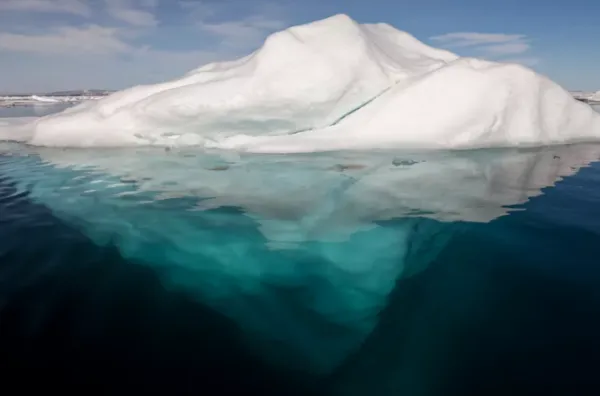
{"x":301,"y":251}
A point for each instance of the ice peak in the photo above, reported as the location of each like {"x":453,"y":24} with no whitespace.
{"x":334,"y":21}
{"x":333,"y":31}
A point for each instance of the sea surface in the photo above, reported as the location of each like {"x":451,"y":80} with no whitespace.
{"x":37,"y":110}
{"x":145,"y":271}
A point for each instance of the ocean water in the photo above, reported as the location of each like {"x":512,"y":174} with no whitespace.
{"x":388,"y":273}
{"x":38,"y":110}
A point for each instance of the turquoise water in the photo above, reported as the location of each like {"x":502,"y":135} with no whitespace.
{"x":413,"y":273}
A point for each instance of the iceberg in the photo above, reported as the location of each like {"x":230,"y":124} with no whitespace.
{"x":330,"y":85}
{"x":302,"y":250}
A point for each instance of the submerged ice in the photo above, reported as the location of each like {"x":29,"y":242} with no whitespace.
{"x":302,"y":251}
{"x":330,"y":85}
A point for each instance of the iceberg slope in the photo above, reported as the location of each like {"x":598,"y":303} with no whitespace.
{"x":328,"y":85}
{"x":302,"y":78}
{"x":469,"y":103}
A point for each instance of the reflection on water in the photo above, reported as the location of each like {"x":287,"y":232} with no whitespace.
{"x":316,"y":192}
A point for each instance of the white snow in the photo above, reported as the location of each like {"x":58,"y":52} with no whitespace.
{"x":330,"y":85}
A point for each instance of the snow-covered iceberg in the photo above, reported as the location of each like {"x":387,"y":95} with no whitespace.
{"x":302,"y":251}
{"x":329,"y":85}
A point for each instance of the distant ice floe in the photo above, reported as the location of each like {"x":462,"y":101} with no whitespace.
{"x":591,"y":97}
{"x":44,"y":101}
{"x":330,"y":85}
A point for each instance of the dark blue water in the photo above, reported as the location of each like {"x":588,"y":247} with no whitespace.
{"x":469,"y":274}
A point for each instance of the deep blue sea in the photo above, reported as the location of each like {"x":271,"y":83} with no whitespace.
{"x":147,"y":271}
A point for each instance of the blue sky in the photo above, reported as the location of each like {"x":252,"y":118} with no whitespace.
{"x":75,"y":44}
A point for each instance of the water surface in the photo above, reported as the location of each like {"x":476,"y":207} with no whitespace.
{"x":37,"y":110}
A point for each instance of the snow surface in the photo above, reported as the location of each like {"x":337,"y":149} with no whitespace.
{"x":329,"y":85}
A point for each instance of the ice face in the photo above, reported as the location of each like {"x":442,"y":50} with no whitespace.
{"x":330,"y":85}
{"x":300,"y":250}
{"x":468,"y":103}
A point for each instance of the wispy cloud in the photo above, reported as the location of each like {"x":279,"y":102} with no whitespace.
{"x":236,"y":33}
{"x":114,"y":72}
{"x":491,"y":45}
{"x":506,"y":49}
{"x":68,"y":40}
{"x":242,"y":33}
{"x":469,"y":39}
{"x":149,"y":3}
{"x":75,"y":7}
{"x":136,"y":13}
{"x":115,"y":47}
{"x":198,"y":10}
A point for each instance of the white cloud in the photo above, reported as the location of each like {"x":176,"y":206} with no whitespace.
{"x":506,"y":49}
{"x":242,"y":33}
{"x":198,"y":10}
{"x":74,"y":41}
{"x":135,"y":17}
{"x":526,"y":61}
{"x":149,"y":3}
{"x":140,"y":66}
{"x":469,"y":39}
{"x":235,"y":33}
{"x":117,"y":56}
{"x":132,"y":12}
{"x":75,"y":7}
{"x":491,"y":45}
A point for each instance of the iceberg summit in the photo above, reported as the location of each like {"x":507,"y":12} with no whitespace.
{"x":330,"y":85}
